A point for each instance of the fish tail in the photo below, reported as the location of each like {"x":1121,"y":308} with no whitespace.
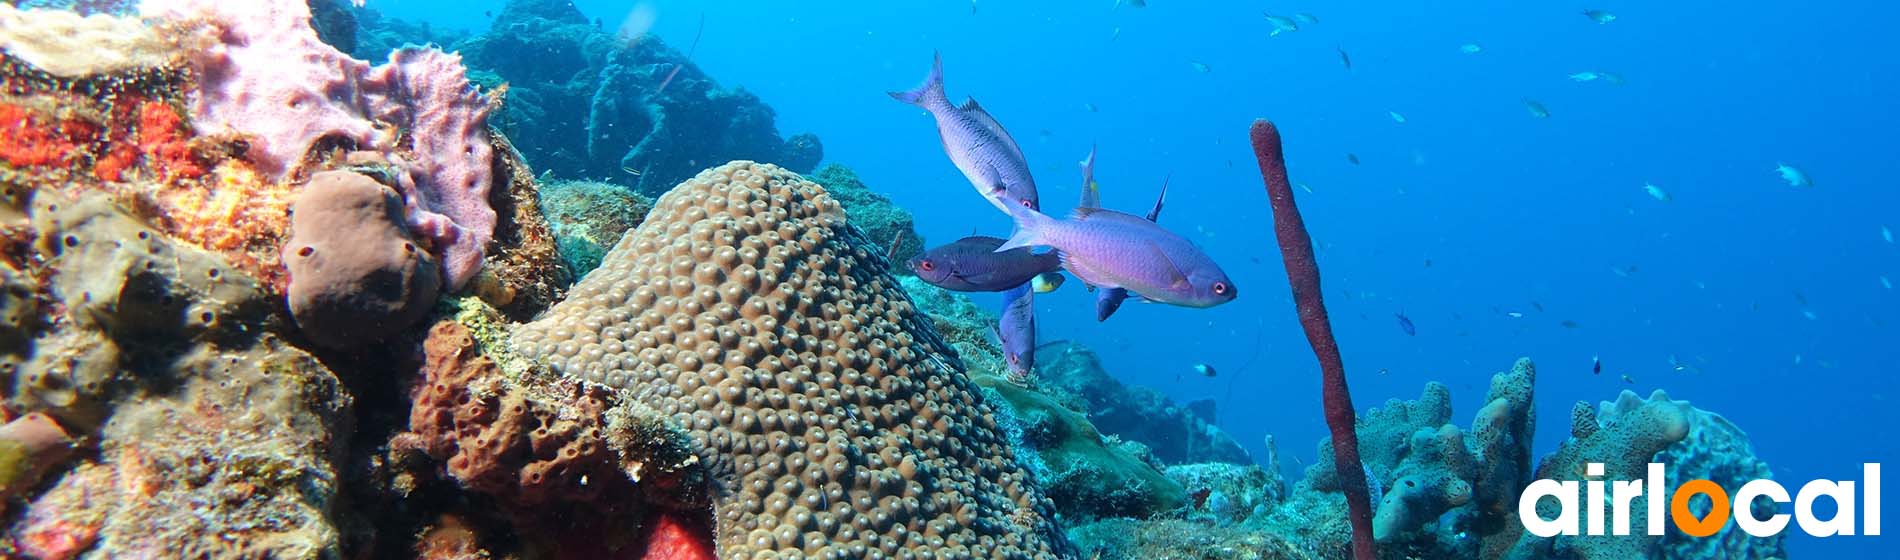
{"x":1030,"y":225}
{"x":932,"y":88}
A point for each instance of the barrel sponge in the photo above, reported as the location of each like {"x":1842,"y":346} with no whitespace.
{"x":827,"y":410}
{"x":356,"y":274}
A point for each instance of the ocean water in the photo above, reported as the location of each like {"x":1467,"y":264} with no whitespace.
{"x":1499,"y":233}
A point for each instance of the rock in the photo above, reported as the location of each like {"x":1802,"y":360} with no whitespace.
{"x":1176,"y":435}
{"x":356,"y":274}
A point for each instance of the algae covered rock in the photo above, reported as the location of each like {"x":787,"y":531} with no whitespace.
{"x":356,"y":273}
{"x":588,"y":217}
{"x":1087,"y":475}
{"x":883,"y":221}
{"x":1176,"y":434}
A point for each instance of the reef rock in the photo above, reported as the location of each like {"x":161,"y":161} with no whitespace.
{"x":588,"y":217}
{"x":883,"y":221}
{"x":585,"y":103}
{"x":1176,"y":435}
{"x":356,"y":274}
{"x":748,"y":312}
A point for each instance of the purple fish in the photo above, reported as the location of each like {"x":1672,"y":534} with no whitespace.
{"x":1110,"y":299}
{"x":973,"y":264}
{"x":1109,"y":249}
{"x":976,"y":143}
{"x":1405,"y":324}
{"x":1016,"y":329}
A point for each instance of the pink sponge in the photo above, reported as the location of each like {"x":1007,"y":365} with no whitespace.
{"x":263,"y":73}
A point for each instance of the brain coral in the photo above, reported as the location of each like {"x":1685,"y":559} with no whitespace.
{"x":748,"y":311}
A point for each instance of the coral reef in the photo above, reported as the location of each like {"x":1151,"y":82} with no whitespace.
{"x":588,"y":217}
{"x":267,"y":78}
{"x":1130,"y":539}
{"x":1176,"y":435}
{"x":748,"y":311}
{"x":66,"y":44}
{"x":1225,"y":493}
{"x":884,"y":222}
{"x":1087,"y":475}
{"x":206,"y":423}
{"x":587,"y":104}
{"x":356,"y":274}
{"x":1716,"y":450}
{"x":1302,"y":273}
{"x":1624,"y":437}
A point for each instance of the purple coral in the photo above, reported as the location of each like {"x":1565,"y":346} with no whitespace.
{"x":263,"y":73}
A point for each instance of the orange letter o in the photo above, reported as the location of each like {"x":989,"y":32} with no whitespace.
{"x":1687,"y":522}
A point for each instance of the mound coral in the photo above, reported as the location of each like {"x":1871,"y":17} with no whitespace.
{"x":749,"y":312}
{"x":356,"y":275}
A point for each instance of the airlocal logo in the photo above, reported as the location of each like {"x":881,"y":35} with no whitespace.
{"x":1624,"y":492}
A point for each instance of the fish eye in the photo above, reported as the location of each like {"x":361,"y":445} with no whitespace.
{"x":1220,"y":288}
{"x":1026,"y":203}
{"x":927,"y":266}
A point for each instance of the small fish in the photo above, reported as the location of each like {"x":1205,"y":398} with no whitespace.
{"x":972,"y":7}
{"x":1199,"y":497}
{"x":1115,"y":35}
{"x":1204,"y":369}
{"x":1396,"y":117}
{"x":972,"y":264}
{"x":1047,"y":282}
{"x":1428,"y":263}
{"x":1810,"y":315}
{"x":1016,"y":329}
{"x":1515,"y":314}
{"x":1344,"y":59}
{"x":1585,"y":77}
{"x":1886,"y":234}
{"x":1885,"y":283}
{"x":1628,"y":379}
{"x":1352,"y":157}
{"x":1109,"y":249}
{"x":1131,"y":3}
{"x":1537,"y":109}
{"x":1596,"y":365}
{"x":976,"y":143}
{"x":1599,"y":16}
{"x":1569,"y":324}
{"x":1405,"y":324}
{"x":1089,"y":106}
{"x":1624,"y":271}
{"x":1610,"y":78}
{"x":1281,"y":24}
{"x":1470,"y":48}
{"x":1305,"y":18}
{"x":1200,"y":67}
{"x":1538,"y":306}
{"x":1793,"y":175}
{"x":1657,"y":192}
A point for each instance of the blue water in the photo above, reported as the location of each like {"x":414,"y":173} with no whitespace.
{"x":1511,"y":211}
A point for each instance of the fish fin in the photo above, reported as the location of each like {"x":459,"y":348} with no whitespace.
{"x":1091,"y":193}
{"x":1089,"y":276}
{"x":931,"y":89}
{"x":1029,"y":227}
{"x":1154,"y":214}
{"x":976,"y":111}
{"x":1082,"y":213}
{"x":1177,"y":279}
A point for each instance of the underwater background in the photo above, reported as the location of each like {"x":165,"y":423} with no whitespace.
{"x":1694,"y":198}
{"x":1470,"y":210}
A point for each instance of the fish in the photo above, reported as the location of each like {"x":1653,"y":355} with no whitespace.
{"x":972,"y":7}
{"x":1089,"y":106}
{"x":1205,"y":370}
{"x":1344,"y":59}
{"x":1305,"y":18}
{"x":1585,"y":77}
{"x":1569,"y":324}
{"x":1199,"y":497}
{"x":1132,"y":3}
{"x":1405,"y":324}
{"x":1016,"y":330}
{"x":1200,"y":67}
{"x":1351,"y":157}
{"x":1537,"y":109}
{"x":972,"y":264}
{"x":1110,"y":299}
{"x":1514,"y":314}
{"x":1538,"y":306}
{"x":1281,"y":24}
{"x":1470,"y":48}
{"x":976,"y":143}
{"x":1110,"y":249}
{"x":1657,"y":192}
{"x":1596,"y":365}
{"x":1886,"y":283}
{"x":1886,"y":234}
{"x":1047,"y":282}
{"x":1116,"y":35}
{"x":1793,"y":175}
{"x":1396,"y":117}
{"x":1599,"y":16}
{"x":1629,"y":380}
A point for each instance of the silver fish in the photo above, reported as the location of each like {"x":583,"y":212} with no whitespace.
{"x":976,"y":143}
{"x":1281,"y":24}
